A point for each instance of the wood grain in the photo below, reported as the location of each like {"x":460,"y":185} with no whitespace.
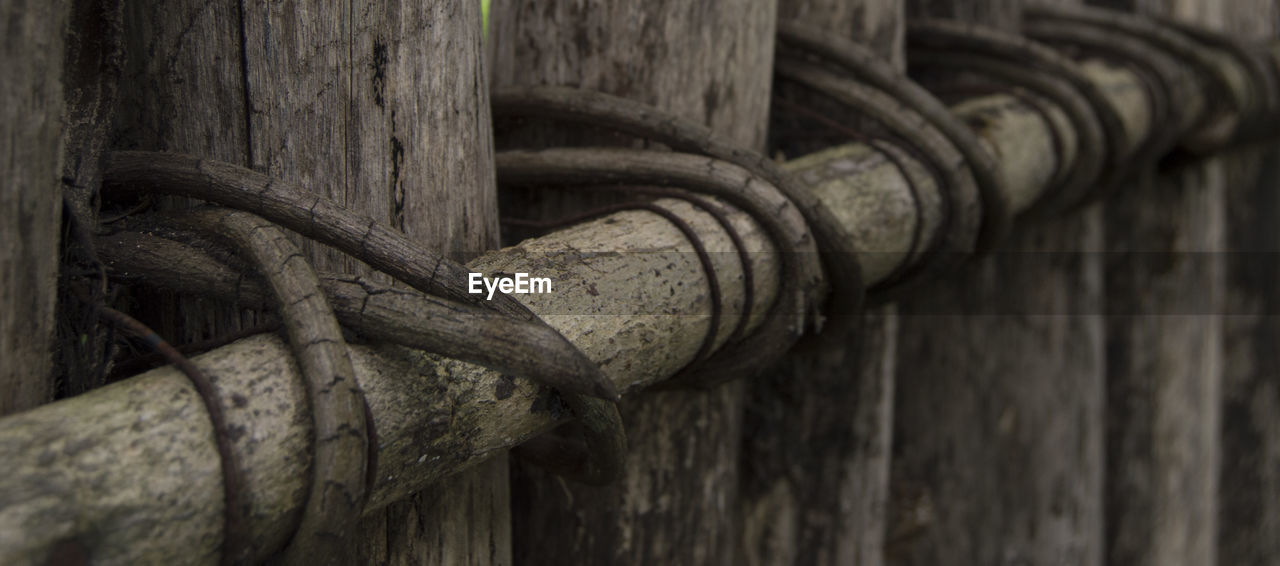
{"x":31,"y":109}
{"x":435,"y":417}
{"x":708,"y":62}
{"x":816,"y":432}
{"x":997,"y":455}
{"x":1249,"y":486}
{"x":1165,"y":354}
{"x":378,"y":106}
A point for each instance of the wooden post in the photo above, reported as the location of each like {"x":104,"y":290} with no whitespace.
{"x":31,"y":199}
{"x":998,"y":418}
{"x":815,"y":476}
{"x":1249,"y":477}
{"x":1003,"y":14}
{"x":711,"y":62}
{"x":1249,"y":524}
{"x":380,"y":106}
{"x":1249,"y":489}
{"x":1165,"y":353}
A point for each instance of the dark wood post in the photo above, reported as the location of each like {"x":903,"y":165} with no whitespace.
{"x":1248,"y":527}
{"x":998,"y":418}
{"x":710,"y":62}
{"x":1165,"y":284}
{"x":30,"y":200}
{"x":815,"y":476}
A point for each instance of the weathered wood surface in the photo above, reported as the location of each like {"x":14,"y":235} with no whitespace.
{"x":334,"y":97}
{"x":433,"y":417}
{"x":816,"y":450}
{"x":709,"y":62}
{"x":475,"y":437}
{"x":998,"y":434}
{"x":878,"y":24}
{"x":1249,"y":476}
{"x":184,"y":90}
{"x":31,"y":109}
{"x":1003,"y":14}
{"x":998,"y":443}
{"x":1249,"y":515}
{"x":1165,"y":365}
{"x":815,"y":461}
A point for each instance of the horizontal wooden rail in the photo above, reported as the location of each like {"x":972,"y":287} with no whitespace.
{"x":130,"y":472}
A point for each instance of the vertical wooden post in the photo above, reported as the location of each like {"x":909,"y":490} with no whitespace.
{"x":1165,"y":353}
{"x":1249,"y":488}
{"x":998,"y":418}
{"x":380,"y":106}
{"x":1249,"y":477}
{"x":711,"y":62}
{"x":1003,"y":14}
{"x":815,"y":476}
{"x":31,"y":164}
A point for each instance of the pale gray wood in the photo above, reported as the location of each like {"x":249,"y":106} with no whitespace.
{"x":999,"y":402}
{"x":706,"y":61}
{"x":31,"y":108}
{"x":380,"y":106}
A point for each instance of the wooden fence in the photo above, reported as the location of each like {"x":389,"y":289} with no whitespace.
{"x":955,"y":282}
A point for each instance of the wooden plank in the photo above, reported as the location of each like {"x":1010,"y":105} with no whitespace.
{"x":31,"y":108}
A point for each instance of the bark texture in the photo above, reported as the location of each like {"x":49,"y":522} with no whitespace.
{"x":31,"y":106}
{"x":878,"y":24}
{"x":336,"y":98}
{"x":1164,"y":367}
{"x":1165,"y":285}
{"x":998,"y":443}
{"x":706,"y":61}
{"x":998,"y":440}
{"x":815,"y":461}
{"x":1249,"y":485}
{"x":816,"y":452}
{"x":434,"y":417}
{"x":1003,"y":14}
{"x":1249,"y":516}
